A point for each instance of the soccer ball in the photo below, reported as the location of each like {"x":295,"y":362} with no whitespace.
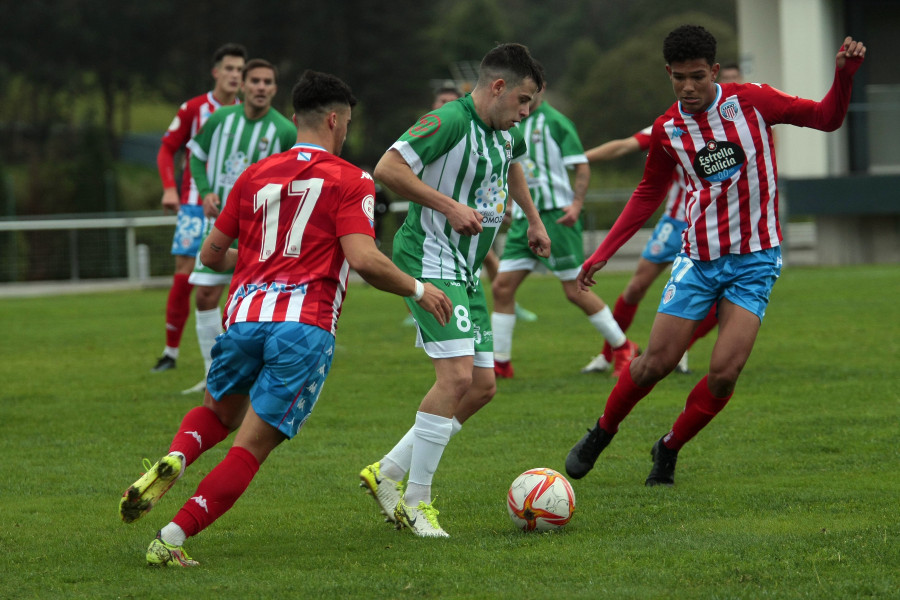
{"x":540,"y":500}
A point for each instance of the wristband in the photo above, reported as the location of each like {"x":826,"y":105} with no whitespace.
{"x":420,"y":291}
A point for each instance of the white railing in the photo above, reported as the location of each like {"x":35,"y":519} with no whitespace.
{"x":800,"y":244}
{"x":137,"y":256}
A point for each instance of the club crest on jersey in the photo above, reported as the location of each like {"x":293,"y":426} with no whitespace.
{"x":263,"y":144}
{"x":718,"y":161}
{"x":730,"y":110}
{"x":508,"y":148}
{"x":427,"y":125}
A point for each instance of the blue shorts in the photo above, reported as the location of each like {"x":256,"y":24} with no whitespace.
{"x":188,"y":230}
{"x":282,"y":366}
{"x":665,"y":241}
{"x":744,"y":279}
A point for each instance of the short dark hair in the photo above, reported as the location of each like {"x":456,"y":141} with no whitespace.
{"x":540,"y":69}
{"x":229,"y":49}
{"x":448,"y":87}
{"x":318,"y":92}
{"x":256,"y":63}
{"x":512,"y":62}
{"x":689,"y":42}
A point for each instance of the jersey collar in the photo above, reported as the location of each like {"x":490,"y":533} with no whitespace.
{"x":710,"y":108}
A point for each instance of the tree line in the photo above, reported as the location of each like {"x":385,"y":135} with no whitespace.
{"x":70,"y":69}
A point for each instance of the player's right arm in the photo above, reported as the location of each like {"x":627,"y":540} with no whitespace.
{"x":165,"y":163}
{"x":175,"y":138}
{"x":377,"y":270}
{"x":394,"y":172}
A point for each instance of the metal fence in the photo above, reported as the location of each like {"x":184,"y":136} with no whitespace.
{"x":136,"y":247}
{"x":76,"y":247}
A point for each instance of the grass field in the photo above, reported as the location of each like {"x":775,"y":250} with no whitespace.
{"x":792,"y":492}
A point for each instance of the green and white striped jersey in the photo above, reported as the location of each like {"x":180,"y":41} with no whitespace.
{"x":553,"y":148}
{"x":229,"y":142}
{"x":452,"y":150}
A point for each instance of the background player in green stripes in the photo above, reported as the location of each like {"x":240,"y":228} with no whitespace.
{"x":456,"y":166}
{"x":232,"y":139}
{"x":553,"y":148}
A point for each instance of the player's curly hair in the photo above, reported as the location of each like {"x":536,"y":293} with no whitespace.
{"x":689,"y":42}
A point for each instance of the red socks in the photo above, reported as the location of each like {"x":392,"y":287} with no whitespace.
{"x":623,"y":313}
{"x":622,"y":399}
{"x":218,"y":491}
{"x":199,"y":431}
{"x":178,"y":307}
{"x":699,"y":410}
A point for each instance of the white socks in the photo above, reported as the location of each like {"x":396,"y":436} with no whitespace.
{"x":398,"y":461}
{"x":604,"y":322}
{"x":431,"y":434}
{"x":503,"y":326}
{"x":209,"y":325}
{"x":171,"y":352}
{"x":173,"y":534}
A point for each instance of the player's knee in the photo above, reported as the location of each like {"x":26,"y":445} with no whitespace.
{"x":487,"y":391}
{"x":647,"y":369}
{"x":206,"y":298}
{"x":721,"y":380}
{"x":502,"y":290}
{"x":634,"y":292}
{"x":460,"y":384}
{"x":573,"y":294}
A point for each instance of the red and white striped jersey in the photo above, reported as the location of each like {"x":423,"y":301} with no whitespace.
{"x":190,"y":117}
{"x":727,"y":153}
{"x":675,"y":197}
{"x":288,"y":213}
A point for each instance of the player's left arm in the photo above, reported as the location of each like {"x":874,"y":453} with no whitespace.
{"x":828,"y":114}
{"x":580,"y":188}
{"x":217,"y":253}
{"x":538,"y":240}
